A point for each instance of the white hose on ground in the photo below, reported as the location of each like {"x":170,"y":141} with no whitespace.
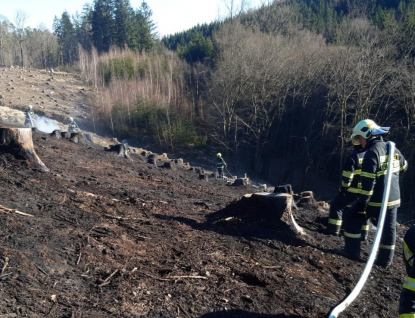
{"x":228,"y":172}
{"x":372,"y":256}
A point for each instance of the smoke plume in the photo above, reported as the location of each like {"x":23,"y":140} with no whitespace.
{"x":46,"y":124}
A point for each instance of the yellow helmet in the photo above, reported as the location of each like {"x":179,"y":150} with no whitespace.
{"x":218,"y":155}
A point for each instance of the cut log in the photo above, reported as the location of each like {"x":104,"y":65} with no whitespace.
{"x":19,"y":142}
{"x":122,"y":150}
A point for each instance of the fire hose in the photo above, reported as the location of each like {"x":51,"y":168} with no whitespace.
{"x":228,"y":172}
{"x":372,"y":256}
{"x":31,"y":120}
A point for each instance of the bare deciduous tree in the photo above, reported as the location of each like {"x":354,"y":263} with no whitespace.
{"x":20,"y":21}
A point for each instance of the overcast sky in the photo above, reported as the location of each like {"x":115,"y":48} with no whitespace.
{"x":170,"y":16}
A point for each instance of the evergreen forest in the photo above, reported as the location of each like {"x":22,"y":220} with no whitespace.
{"x":276,"y":89}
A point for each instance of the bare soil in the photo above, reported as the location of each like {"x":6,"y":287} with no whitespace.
{"x":113,"y":237}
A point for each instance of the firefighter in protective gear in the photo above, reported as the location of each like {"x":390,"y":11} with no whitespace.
{"x":407,"y":300}
{"x":369,"y":201}
{"x":30,"y":117}
{"x":348,"y":190}
{"x":220,"y":164}
{"x":73,"y":127}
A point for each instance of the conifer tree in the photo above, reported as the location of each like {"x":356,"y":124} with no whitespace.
{"x":102,"y":25}
{"x":67,"y":42}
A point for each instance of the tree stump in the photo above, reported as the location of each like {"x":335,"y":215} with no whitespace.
{"x":179,"y":161}
{"x":19,"y":142}
{"x":307,"y":199}
{"x":242,"y":182}
{"x":56,"y":133}
{"x":276,"y":207}
{"x":66,"y":134}
{"x":170,"y":165}
{"x":284,"y":188}
{"x":122,"y":150}
{"x":77,"y":137}
{"x":152,"y":159}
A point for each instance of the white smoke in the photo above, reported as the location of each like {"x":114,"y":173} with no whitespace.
{"x":46,"y":124}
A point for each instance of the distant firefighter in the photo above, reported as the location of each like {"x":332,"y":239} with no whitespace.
{"x":73,"y":127}
{"x":220,"y":164}
{"x":30,"y":117}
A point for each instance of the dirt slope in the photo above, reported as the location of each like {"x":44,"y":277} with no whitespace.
{"x":112,"y":237}
{"x":53,"y":94}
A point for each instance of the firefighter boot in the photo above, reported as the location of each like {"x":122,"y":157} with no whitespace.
{"x":385,"y":257}
{"x":352,"y":248}
{"x":332,"y":229}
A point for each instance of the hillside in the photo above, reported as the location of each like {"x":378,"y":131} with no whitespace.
{"x":112,"y":237}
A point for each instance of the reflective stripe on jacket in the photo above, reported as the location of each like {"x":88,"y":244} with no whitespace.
{"x":351,"y":172}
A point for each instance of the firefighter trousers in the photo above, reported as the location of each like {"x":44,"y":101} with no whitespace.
{"x":339,"y":204}
{"x":353,"y":221}
{"x":335,"y":221}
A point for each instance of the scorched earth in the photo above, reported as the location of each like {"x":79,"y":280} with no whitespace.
{"x":108,"y":236}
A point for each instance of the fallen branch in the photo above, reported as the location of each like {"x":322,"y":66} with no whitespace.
{"x":180,"y":277}
{"x":5,"y":275}
{"x":4,"y":209}
{"x":89,"y":194}
{"x":6,"y":263}
{"x":79,"y":258}
{"x":172,"y":277}
{"x":107,"y":280}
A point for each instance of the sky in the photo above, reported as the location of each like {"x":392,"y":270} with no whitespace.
{"x":170,"y":16}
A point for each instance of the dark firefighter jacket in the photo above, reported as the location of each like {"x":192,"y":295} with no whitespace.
{"x":373,"y":175}
{"x":220,"y":163}
{"x":351,"y":172}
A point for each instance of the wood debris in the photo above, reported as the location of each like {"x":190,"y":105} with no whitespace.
{"x":8,"y":210}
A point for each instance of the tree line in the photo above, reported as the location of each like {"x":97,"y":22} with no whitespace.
{"x":103,"y":24}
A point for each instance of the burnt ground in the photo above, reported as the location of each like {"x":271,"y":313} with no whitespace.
{"x":112,"y":237}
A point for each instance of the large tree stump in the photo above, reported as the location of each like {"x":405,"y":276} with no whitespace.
{"x":276,"y":207}
{"x":19,"y":142}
